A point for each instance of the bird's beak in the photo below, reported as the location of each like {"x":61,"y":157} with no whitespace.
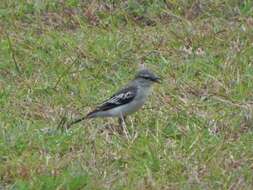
{"x":157,"y":80}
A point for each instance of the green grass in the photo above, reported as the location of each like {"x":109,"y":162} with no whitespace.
{"x":64,"y":58}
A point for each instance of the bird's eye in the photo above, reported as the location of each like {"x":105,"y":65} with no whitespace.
{"x":146,"y":77}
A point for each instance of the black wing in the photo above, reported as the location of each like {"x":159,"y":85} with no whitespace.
{"x":122,"y":97}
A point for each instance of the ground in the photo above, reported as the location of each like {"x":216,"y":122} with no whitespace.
{"x":59,"y":59}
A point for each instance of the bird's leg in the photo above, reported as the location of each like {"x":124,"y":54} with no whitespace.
{"x":120,"y":129}
{"x":123,"y":125}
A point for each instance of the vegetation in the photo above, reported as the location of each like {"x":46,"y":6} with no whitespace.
{"x":61,"y":58}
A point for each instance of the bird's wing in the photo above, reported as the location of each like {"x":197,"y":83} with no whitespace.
{"x":120,"y":98}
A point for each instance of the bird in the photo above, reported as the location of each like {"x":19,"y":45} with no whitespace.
{"x":127,"y":100}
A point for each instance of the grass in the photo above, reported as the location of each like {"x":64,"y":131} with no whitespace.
{"x":64,"y":58}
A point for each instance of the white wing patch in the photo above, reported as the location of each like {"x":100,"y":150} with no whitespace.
{"x":122,"y":97}
{"x":119,"y":98}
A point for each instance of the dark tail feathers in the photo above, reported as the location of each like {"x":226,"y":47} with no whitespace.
{"x":89,"y":115}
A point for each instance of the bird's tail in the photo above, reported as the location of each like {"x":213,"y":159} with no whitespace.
{"x":76,"y":121}
{"x":88,"y":116}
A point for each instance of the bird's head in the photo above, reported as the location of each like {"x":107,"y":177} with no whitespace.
{"x":147,"y":75}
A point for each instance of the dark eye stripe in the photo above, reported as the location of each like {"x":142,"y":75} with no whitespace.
{"x":148,"y":78}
